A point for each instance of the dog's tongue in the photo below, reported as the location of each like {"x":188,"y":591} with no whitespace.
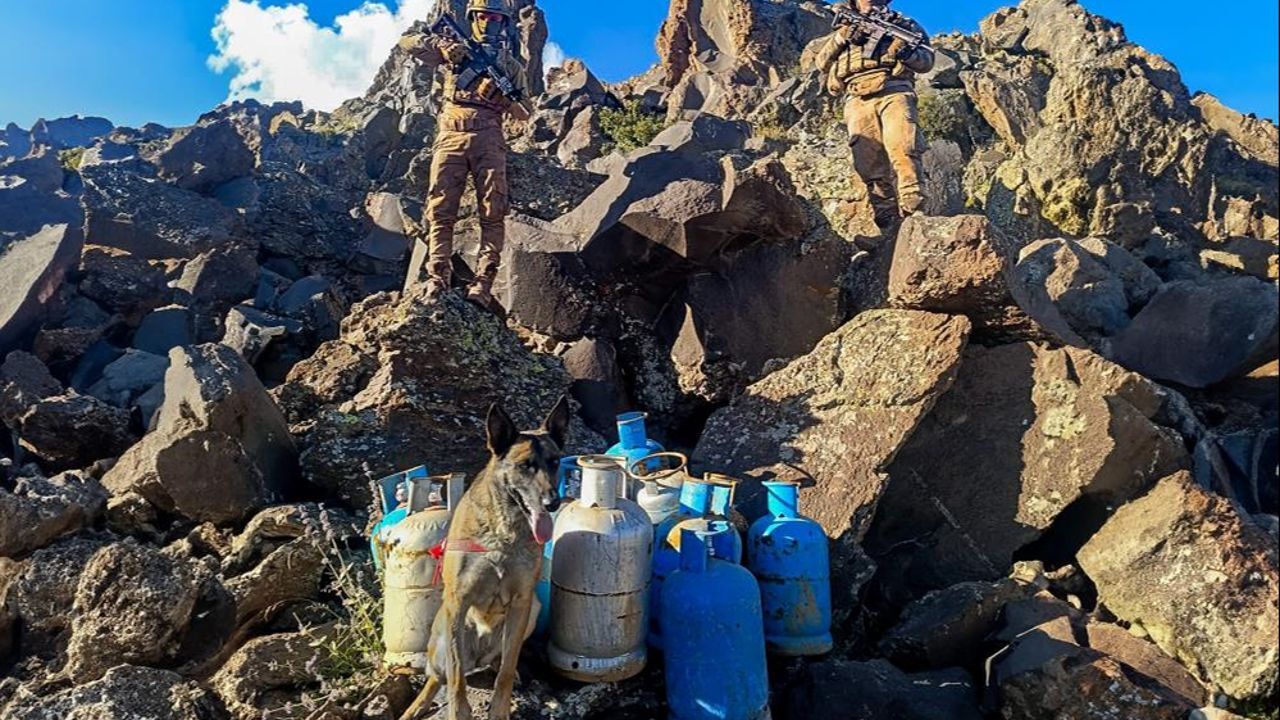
{"x":542,"y":526}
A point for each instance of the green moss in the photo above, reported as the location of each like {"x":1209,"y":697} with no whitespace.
{"x":1067,"y":206}
{"x":770,"y":129}
{"x":630,"y":127}
{"x":71,"y":159}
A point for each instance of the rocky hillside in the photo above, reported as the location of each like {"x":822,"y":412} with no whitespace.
{"x":1038,"y":423}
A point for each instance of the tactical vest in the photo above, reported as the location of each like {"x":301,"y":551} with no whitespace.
{"x":474,"y":95}
{"x":863,"y":76}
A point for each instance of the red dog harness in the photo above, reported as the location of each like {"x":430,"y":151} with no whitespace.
{"x":444,"y":546}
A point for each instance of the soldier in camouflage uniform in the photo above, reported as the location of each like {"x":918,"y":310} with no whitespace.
{"x":881,"y":111}
{"x":469,"y":143}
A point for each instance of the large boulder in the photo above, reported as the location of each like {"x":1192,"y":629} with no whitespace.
{"x":204,"y":156}
{"x":1057,"y":436}
{"x":947,"y":628}
{"x":220,"y":447}
{"x":251,"y":681}
{"x":24,"y":381}
{"x":42,"y":594}
{"x":437,"y":367}
{"x":1201,"y":579}
{"x":132,"y":605}
{"x":876,"y":689}
{"x":31,"y":269}
{"x":1201,"y":333}
{"x":73,"y":430}
{"x":1086,"y":288}
{"x":767,"y":302}
{"x":1044,"y":673}
{"x":958,"y":265}
{"x":39,"y":510}
{"x":126,"y":692}
{"x":834,"y":419}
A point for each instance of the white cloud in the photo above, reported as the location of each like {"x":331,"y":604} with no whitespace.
{"x":552,"y":57}
{"x":278,"y":52}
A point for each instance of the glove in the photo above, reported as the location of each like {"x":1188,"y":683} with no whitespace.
{"x":899,"y":50}
{"x":453,"y":52}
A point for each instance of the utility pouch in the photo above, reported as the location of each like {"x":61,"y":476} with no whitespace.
{"x":869,"y":83}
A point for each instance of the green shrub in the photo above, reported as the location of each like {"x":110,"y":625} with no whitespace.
{"x":630,"y":127}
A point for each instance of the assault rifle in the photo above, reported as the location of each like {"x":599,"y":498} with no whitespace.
{"x":479,"y":63}
{"x":876,"y":25}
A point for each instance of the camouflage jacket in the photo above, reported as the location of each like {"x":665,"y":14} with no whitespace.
{"x":847,"y":66}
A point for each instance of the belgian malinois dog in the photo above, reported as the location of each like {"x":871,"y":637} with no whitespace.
{"x":492,"y":558}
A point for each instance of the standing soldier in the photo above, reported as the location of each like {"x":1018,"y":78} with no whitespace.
{"x":879,"y":75}
{"x":469,"y":143}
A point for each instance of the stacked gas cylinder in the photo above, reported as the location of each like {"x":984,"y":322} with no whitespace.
{"x":649,"y":559}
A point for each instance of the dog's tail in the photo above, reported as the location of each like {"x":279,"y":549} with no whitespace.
{"x":424,"y":699}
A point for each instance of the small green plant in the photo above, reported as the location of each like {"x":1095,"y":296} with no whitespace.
{"x":771,"y":129}
{"x":71,"y":158}
{"x":630,"y":127}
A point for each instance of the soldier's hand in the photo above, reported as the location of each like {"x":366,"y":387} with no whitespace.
{"x":453,"y":52}
{"x":899,"y":49}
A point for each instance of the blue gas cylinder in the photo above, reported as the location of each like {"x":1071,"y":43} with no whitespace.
{"x":633,"y":442}
{"x":722,"y":491}
{"x":393,"y":494}
{"x":788,"y":554}
{"x":715,"y":656}
{"x":695,"y":506}
{"x":569,"y":485}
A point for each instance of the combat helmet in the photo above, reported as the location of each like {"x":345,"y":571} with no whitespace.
{"x":494,"y":6}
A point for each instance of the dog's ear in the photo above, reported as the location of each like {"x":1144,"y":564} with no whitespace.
{"x":557,"y":423}
{"x":501,"y":431}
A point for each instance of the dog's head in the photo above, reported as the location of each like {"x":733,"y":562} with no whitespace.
{"x":524,"y":464}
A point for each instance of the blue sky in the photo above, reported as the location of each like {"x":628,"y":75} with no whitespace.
{"x":147,"y":60}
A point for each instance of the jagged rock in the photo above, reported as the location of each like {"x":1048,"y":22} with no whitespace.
{"x":277,"y":526}
{"x":598,"y":385}
{"x":947,"y":628}
{"x":1214,"y":605}
{"x":876,"y":689}
{"x":217,"y":278}
{"x":1145,"y":657}
{"x":1244,"y":254}
{"x":665,"y":207}
{"x":1260,"y":137}
{"x":69,"y":132}
{"x":24,"y":381}
{"x":129,"y":377}
{"x":164,"y":329}
{"x":391,"y":236}
{"x":545,"y":284}
{"x":125,"y":692}
{"x":764,"y":304}
{"x":447,"y":356}
{"x":1081,"y":288}
{"x":1045,"y":674}
{"x":1199,"y":334}
{"x":704,"y":133}
{"x":573,"y":87}
{"x":31,"y":269}
{"x":217,"y":421}
{"x":1057,"y":436}
{"x":149,"y":219}
{"x":721,"y":56}
{"x":31,"y":196}
{"x":281,"y":661}
{"x":835,"y":418}
{"x":42,"y":593}
{"x":955,"y":265}
{"x":39,"y":510}
{"x":290,"y":573}
{"x":204,"y":156}
{"x":584,"y":141}
{"x":1052,"y":80}
{"x":73,"y":430}
{"x":132,"y":605}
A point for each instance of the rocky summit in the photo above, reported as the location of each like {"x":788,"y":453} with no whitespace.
{"x":1039,"y":421}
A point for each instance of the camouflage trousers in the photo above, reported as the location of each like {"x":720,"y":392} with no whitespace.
{"x":884,"y":133}
{"x":468,"y":144}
